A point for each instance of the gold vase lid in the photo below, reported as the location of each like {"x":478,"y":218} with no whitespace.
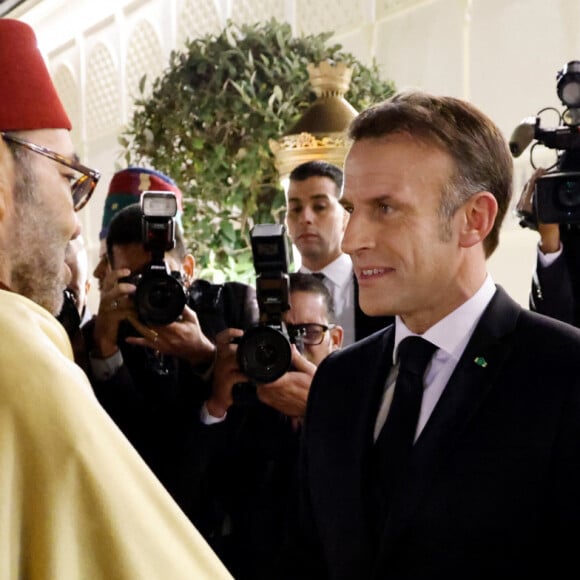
{"x":320,"y":134}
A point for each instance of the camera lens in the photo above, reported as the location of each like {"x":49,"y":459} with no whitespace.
{"x":160,"y":299}
{"x":264,"y":354}
{"x":569,"y":194}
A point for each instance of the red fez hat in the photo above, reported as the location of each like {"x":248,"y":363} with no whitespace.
{"x":28,"y":99}
{"x":127,"y":186}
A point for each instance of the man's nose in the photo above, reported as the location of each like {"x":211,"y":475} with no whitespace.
{"x":100,"y":268}
{"x":307,"y":215}
{"x":77,"y":228}
{"x":356,"y":235}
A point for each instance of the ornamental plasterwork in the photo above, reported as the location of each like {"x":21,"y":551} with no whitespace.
{"x":333,"y":15}
{"x":251,"y":11}
{"x":196,"y":18}
{"x":103,"y":102}
{"x":144,"y":56}
{"x":69,"y":93}
{"x":389,"y":7}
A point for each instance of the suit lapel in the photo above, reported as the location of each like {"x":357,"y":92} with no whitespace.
{"x":474,"y":376}
{"x":376,"y":368}
{"x":347,"y":473}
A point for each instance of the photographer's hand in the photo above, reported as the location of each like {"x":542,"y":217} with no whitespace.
{"x":549,"y":233}
{"x":183,"y":338}
{"x":290,"y":392}
{"x":226,"y":373}
{"x":115,"y":306}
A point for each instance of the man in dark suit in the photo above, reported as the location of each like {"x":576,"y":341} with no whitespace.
{"x":255,"y":444}
{"x":491,"y":486}
{"x":151,"y":379}
{"x":555,"y":288}
{"x":315,"y":221}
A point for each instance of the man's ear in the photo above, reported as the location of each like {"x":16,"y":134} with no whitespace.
{"x":478,"y":217}
{"x":189,"y":267}
{"x":336,"y":337}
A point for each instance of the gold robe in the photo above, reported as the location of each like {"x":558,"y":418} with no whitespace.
{"x":76,"y":500}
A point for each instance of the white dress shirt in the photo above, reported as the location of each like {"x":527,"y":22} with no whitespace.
{"x":340,"y":282}
{"x":450,"y":335}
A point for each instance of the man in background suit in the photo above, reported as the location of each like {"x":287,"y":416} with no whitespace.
{"x":315,"y":221}
{"x":152,"y":379}
{"x":555,"y":287}
{"x":255,"y":444}
{"x":491,"y":485}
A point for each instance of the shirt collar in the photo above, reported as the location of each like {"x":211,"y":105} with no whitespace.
{"x":338,"y":271}
{"x":453,"y":332}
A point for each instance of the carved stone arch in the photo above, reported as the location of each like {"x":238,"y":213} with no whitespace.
{"x":198,"y":18}
{"x":68,"y":89}
{"x":335,"y":15}
{"x":102,"y":93}
{"x":251,"y":11}
{"x":144,"y":57}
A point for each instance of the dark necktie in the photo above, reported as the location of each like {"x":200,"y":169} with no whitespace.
{"x":395,"y":441}
{"x":319,"y":275}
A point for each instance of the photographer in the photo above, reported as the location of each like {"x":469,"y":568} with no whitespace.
{"x":555,"y":289}
{"x":254,"y":473}
{"x":150,"y":377}
{"x":550,"y":202}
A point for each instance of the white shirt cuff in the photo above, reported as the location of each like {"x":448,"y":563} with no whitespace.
{"x":208,"y":419}
{"x":105,"y":368}
{"x":548,"y":259}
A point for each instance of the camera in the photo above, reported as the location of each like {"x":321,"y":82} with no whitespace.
{"x":161,"y":295}
{"x":69,"y":315}
{"x":556,"y":197}
{"x":264,"y":351}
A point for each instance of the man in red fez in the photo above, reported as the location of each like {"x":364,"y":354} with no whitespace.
{"x":76,"y":499}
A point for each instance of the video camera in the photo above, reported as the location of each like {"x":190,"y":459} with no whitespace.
{"x":160,"y":296}
{"x":264,"y":352}
{"x":556,"y":197}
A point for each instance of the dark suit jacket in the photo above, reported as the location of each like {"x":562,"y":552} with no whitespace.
{"x":493,"y":487}
{"x":252,"y":476}
{"x":157,"y":405}
{"x":556,"y":289}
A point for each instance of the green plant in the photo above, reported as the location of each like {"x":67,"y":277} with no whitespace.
{"x":208,"y":121}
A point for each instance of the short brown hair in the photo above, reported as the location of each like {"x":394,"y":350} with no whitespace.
{"x":476,"y":145}
{"x":303,"y":282}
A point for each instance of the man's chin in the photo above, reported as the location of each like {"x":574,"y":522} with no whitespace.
{"x":54,"y":303}
{"x":374,"y":307}
{"x":310,"y":252}
{"x":51,"y":298}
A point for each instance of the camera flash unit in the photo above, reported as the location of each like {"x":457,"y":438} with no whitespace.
{"x":159,"y":204}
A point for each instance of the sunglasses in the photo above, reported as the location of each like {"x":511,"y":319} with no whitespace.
{"x":82,"y":189}
{"x":310,"y":334}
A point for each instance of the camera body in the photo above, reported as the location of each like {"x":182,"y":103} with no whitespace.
{"x":69,"y":315}
{"x":161,"y":295}
{"x":264,"y":351}
{"x":556,"y":197}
